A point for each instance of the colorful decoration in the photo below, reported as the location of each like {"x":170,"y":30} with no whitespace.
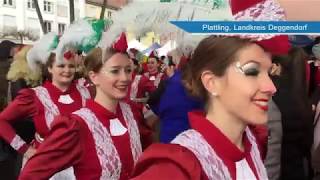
{"x":82,"y":35}
{"x":41,"y":50}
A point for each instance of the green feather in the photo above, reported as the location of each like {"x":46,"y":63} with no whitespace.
{"x":98,"y":27}
{"x":54,"y":43}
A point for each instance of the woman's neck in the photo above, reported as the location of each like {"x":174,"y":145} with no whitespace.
{"x":231,"y":127}
{"x":106,"y":102}
{"x":60,"y":86}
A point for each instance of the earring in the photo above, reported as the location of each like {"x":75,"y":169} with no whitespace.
{"x":214,"y":94}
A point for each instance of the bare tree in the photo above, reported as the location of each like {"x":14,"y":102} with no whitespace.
{"x":44,"y":30}
{"x":103,"y":8}
{"x":21,"y":35}
{"x":71,"y":7}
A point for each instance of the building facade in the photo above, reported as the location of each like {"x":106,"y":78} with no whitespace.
{"x":19,"y":21}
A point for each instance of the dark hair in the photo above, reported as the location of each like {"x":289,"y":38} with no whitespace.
{"x":292,"y":96}
{"x":293,"y":73}
{"x":46,"y":74}
{"x":214,"y":54}
{"x":95,"y":59}
{"x":155,"y":57}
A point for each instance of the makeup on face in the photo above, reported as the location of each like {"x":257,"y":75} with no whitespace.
{"x":250,"y":68}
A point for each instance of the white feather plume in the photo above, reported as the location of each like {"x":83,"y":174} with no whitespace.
{"x":140,"y":17}
{"x":41,"y":50}
{"x":73,"y":37}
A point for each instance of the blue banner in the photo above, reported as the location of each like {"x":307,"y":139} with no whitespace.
{"x":250,"y":27}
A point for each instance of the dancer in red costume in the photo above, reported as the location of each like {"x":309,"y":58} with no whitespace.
{"x":101,"y":140}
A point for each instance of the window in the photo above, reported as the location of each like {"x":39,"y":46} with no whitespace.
{"x":47,"y":6}
{"x":61,"y":28}
{"x":31,"y":4}
{"x":109,"y":14}
{"x":8,"y":2}
{"x":48,"y":26}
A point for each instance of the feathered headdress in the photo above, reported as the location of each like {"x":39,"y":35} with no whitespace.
{"x":81,"y":35}
{"x":262,"y":10}
{"x":19,"y":69}
{"x":140,"y":17}
{"x":41,"y":50}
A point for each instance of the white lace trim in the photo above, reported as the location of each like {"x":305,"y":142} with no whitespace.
{"x":66,"y":174}
{"x":17,"y":142}
{"x":134,"y":87}
{"x":106,"y":151}
{"x":210,"y":162}
{"x":255,"y":155}
{"x":268,"y":10}
{"x":84,"y":92}
{"x":157,"y":80}
{"x":50,"y":109}
{"x":133,"y":131}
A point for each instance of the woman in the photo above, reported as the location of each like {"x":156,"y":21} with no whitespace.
{"x":102,"y":140}
{"x":59,"y":94}
{"x":231,"y":76}
{"x":154,"y":73}
{"x":296,"y":115}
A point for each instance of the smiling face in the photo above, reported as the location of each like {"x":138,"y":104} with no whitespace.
{"x":114,"y":77}
{"x":152,"y":65}
{"x":62,"y":74}
{"x":244,"y":90}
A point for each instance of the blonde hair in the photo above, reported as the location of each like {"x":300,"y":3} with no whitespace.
{"x":19,"y":69}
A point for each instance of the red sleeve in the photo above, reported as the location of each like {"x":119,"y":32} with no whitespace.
{"x":167,"y":161}
{"x":146,"y":85}
{"x":21,"y":107}
{"x":60,"y":150}
{"x":261,"y":134}
{"x":145,"y":132}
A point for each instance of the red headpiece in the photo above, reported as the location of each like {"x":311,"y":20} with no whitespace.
{"x":121,"y":45}
{"x":153,"y":54}
{"x":262,"y":10}
{"x":68,"y":55}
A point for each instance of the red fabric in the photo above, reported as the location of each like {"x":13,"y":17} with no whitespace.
{"x":144,"y":67}
{"x":27,"y":104}
{"x":261,"y":134}
{"x":168,"y":161}
{"x":121,"y":44}
{"x":317,"y":76}
{"x":24,"y":105}
{"x":308,"y":74}
{"x":148,"y":75}
{"x":153,"y":54}
{"x":239,"y":5}
{"x":183,"y":61}
{"x":278,"y":45}
{"x":71,"y":144}
{"x":144,"y":86}
{"x":183,"y":163}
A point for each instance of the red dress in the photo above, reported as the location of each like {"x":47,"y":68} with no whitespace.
{"x":86,"y":141}
{"x":140,"y":85}
{"x":42,"y":104}
{"x":155,"y":77}
{"x":180,"y":162}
